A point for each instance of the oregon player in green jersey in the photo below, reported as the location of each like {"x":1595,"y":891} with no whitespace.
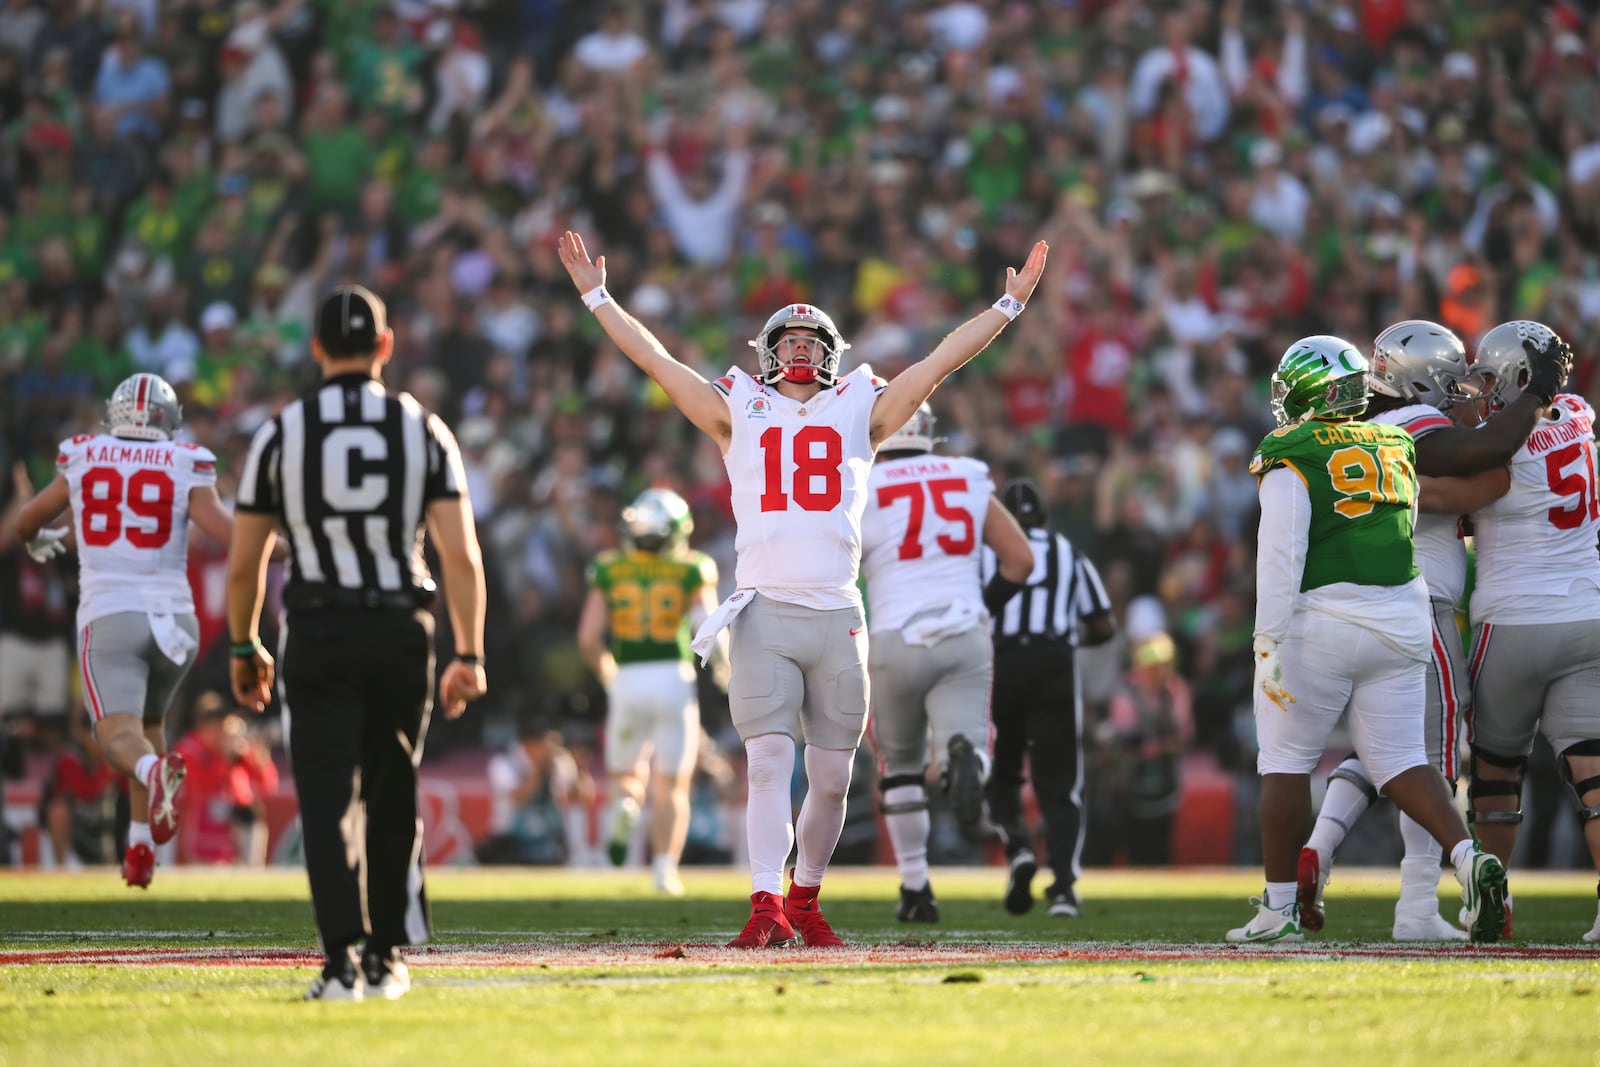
{"x":1342,"y":627}
{"x":645,"y":598}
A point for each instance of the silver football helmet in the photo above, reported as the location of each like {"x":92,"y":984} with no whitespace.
{"x":1500,"y":353}
{"x":1421,"y":362}
{"x":657,"y":519}
{"x":822,"y":367}
{"x":915,"y":436}
{"x":143,"y":408}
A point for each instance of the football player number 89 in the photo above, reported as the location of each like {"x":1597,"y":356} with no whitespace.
{"x":817,"y":452}
{"x":147,"y":493}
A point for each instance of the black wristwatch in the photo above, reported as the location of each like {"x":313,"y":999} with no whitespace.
{"x":475,"y":661}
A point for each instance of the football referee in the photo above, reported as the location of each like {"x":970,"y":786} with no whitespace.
{"x":1037,"y":707}
{"x":352,"y":472}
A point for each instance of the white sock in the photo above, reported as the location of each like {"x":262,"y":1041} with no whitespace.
{"x":139,"y":834}
{"x":142,"y":769}
{"x":1419,"y":870}
{"x":1342,"y":804}
{"x":1461,"y":855}
{"x":769,"y":816}
{"x":908,"y":832}
{"x":664,"y":864}
{"x":822,"y":815}
{"x":1281,"y":894}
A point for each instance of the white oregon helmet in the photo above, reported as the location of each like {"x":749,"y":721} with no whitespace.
{"x":1501,"y":354}
{"x":915,"y":436}
{"x":1421,"y":362}
{"x":657,"y":519}
{"x":774,"y":367}
{"x":143,"y":408}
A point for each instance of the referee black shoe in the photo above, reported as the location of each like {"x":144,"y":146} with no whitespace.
{"x":338,"y":981}
{"x":917,"y":906}
{"x":1023,"y":865}
{"x":385,"y":974}
{"x":964,"y":785}
{"x":1064,"y":903}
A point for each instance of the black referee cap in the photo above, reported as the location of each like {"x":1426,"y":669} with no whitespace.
{"x":1021,"y":498}
{"x":351,"y":321}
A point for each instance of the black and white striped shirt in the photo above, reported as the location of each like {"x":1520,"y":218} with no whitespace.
{"x":1063,"y":588}
{"x":349,"y":470}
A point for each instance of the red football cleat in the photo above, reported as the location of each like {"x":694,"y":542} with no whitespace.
{"x":768,"y":927}
{"x":165,"y":780}
{"x":805,"y":915}
{"x":139,"y":866}
{"x":1308,"y":890}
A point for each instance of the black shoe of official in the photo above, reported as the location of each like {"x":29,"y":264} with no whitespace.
{"x":339,"y":980}
{"x":385,"y":973}
{"x":1023,"y":865}
{"x":1064,"y":903}
{"x":917,"y":906}
{"x":964,"y":785}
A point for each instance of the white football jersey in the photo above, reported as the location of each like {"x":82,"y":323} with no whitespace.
{"x":921,"y":535}
{"x":1537,"y":560}
{"x":799,"y":475}
{"x":1441,"y":552}
{"x":130,"y":513}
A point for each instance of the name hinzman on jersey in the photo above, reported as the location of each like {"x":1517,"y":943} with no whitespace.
{"x":915,"y":471}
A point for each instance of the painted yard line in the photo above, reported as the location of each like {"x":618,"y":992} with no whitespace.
{"x":623,"y":953}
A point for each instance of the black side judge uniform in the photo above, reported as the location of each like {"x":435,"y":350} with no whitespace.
{"x":349,"y":470}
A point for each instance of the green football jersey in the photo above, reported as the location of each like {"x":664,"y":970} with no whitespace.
{"x":1363,"y":483}
{"x":648,"y":599}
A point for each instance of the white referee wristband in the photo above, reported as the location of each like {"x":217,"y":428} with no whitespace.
{"x":1009,"y":306}
{"x":595,"y":297}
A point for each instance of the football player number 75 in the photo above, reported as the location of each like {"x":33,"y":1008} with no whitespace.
{"x":938,"y":490}
{"x":1571,"y":473}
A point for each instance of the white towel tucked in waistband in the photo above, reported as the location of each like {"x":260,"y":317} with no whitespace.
{"x":930,"y":629}
{"x":171,"y":638}
{"x":718,"y":621}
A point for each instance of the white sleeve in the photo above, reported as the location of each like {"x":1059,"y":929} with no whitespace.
{"x":1281,"y":550}
{"x":1235,"y":61}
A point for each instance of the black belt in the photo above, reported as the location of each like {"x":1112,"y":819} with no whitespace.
{"x":1026,"y":640}
{"x":303,"y":596}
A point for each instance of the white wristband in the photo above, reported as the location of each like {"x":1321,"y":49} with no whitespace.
{"x":1009,"y":306}
{"x":595,"y":297}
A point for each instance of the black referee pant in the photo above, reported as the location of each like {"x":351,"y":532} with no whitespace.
{"x":359,"y":687}
{"x":1035,"y":713}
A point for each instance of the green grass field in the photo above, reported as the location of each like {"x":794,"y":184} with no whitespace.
{"x":578,"y":967}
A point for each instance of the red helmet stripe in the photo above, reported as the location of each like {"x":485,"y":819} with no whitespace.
{"x":144,"y":388}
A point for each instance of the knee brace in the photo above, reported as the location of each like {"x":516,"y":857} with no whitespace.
{"x":1495,"y":787}
{"x":899,"y":781}
{"x":1348,"y":770}
{"x":1586,"y":812}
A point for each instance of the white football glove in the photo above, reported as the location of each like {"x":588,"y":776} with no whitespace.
{"x":1269,"y":672}
{"x":47,"y":544}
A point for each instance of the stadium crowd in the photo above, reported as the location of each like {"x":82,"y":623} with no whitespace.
{"x":179,"y":181}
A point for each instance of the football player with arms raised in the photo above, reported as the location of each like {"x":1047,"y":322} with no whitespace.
{"x":645,"y":598}
{"x":931,"y":661}
{"x":1342,"y":628}
{"x":1535,"y":661}
{"x":798,"y":443}
{"x":1419,"y":377}
{"x":132,"y":491}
